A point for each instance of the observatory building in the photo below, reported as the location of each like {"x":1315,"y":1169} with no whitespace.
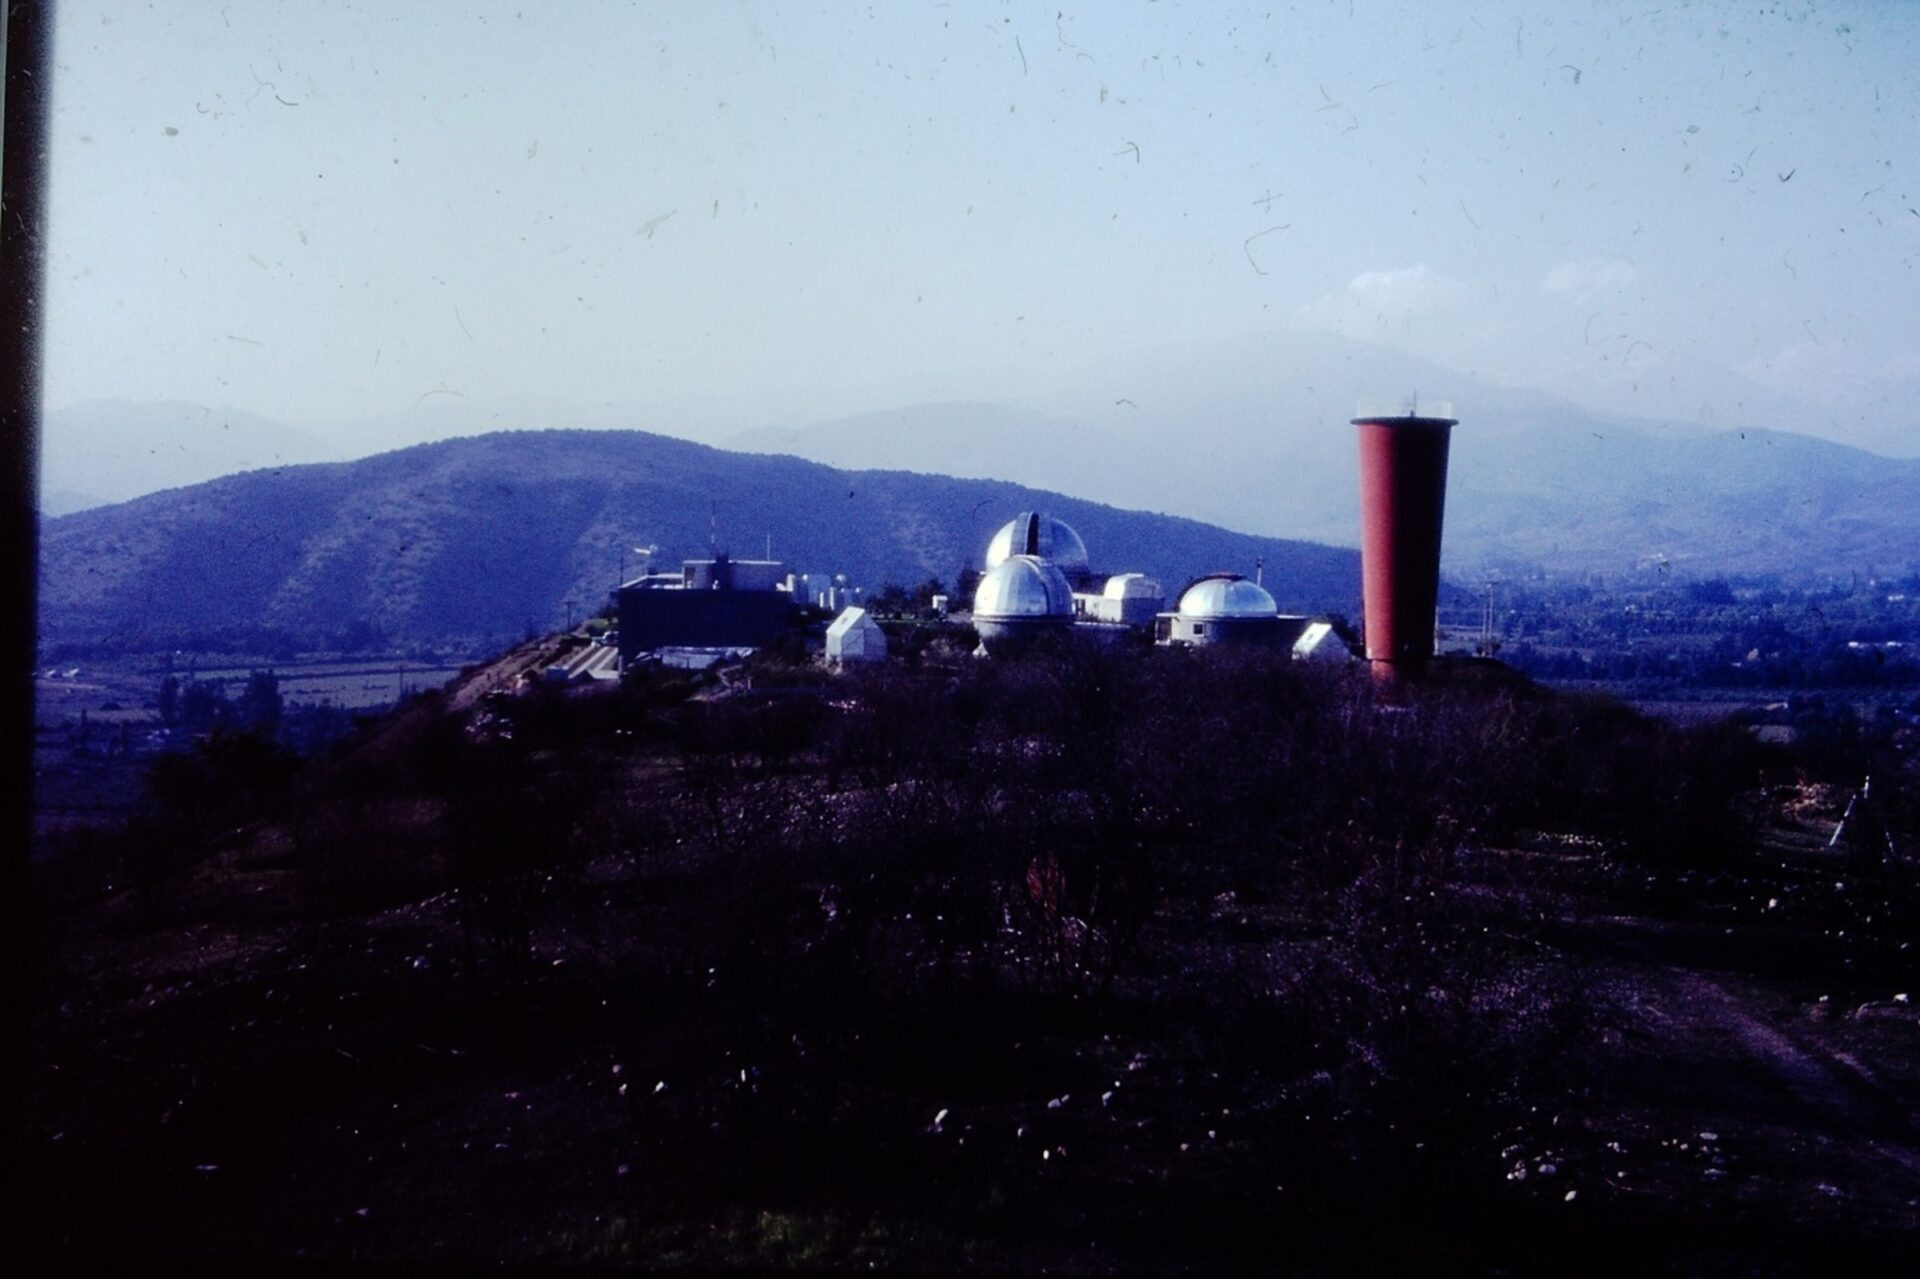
{"x":1039,"y":578}
{"x":1124,"y":599}
{"x":1228,"y":608}
{"x":1040,"y":581}
{"x":1019,"y":600}
{"x":1044,"y":537}
{"x":711,"y":606}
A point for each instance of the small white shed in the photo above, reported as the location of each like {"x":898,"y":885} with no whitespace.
{"x":855,"y":637}
{"x":1321,"y":643}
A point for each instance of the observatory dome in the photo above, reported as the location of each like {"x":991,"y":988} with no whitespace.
{"x":1031,"y":533}
{"x":1023,"y":587}
{"x":1227,"y":595}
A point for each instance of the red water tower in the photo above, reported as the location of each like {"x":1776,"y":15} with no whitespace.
{"x":1403,"y":500}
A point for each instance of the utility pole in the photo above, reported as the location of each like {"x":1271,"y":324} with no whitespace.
{"x":1489,"y":645}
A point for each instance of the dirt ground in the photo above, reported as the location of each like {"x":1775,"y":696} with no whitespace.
{"x":241,"y":1084}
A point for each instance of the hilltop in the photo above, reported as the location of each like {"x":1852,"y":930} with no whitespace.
{"x":490,"y":537}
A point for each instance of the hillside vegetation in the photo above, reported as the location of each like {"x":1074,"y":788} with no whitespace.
{"x":1164,"y":962}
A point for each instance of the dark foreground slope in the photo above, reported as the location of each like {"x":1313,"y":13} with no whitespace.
{"x":496,"y":535}
{"x":1156,"y":963}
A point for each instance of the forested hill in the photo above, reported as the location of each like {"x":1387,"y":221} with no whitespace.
{"x":483,"y":538}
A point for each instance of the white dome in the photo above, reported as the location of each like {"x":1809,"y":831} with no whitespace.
{"x":1227,"y":595}
{"x":1030,"y":533}
{"x":1023,"y":586}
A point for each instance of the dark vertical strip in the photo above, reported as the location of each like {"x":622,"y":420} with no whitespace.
{"x":23,"y":171}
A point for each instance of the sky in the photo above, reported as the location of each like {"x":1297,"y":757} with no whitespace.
{"x":773,"y":213}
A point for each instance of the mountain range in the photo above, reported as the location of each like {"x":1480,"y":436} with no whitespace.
{"x":1255,"y":436}
{"x":104,"y":451}
{"x":484,"y":538}
{"x":1250,"y":435}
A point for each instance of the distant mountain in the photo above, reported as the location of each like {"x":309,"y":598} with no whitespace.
{"x":1250,"y":434}
{"x":1254,"y":435}
{"x":1611,"y":498}
{"x":65,"y":502}
{"x":104,"y":451}
{"x":483,"y":537}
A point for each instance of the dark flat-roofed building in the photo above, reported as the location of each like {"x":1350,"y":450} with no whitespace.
{"x":714,"y":603}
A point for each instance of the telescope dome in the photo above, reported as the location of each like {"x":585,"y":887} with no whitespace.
{"x":1032,"y":533}
{"x":1227,"y":595}
{"x":1023,"y":586}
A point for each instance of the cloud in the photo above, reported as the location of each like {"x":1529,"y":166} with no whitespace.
{"x":1374,"y":300}
{"x":1585,"y":281}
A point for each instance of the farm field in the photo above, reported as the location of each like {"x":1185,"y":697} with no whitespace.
{"x":98,"y":727}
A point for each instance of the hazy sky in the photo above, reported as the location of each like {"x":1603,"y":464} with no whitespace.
{"x":319,"y":211}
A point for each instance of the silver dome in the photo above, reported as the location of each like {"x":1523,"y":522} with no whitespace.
{"x":1023,"y":586}
{"x":1227,"y":595}
{"x":1031,"y":533}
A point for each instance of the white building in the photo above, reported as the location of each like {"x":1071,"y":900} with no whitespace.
{"x":1132,"y":599}
{"x":855,"y":637}
{"x":1321,"y":643}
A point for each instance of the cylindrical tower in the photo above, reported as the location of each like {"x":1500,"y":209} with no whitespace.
{"x":1403,"y":499}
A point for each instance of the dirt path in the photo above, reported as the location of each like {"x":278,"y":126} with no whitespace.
{"x":1836,"y":1088}
{"x":499,"y":673}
